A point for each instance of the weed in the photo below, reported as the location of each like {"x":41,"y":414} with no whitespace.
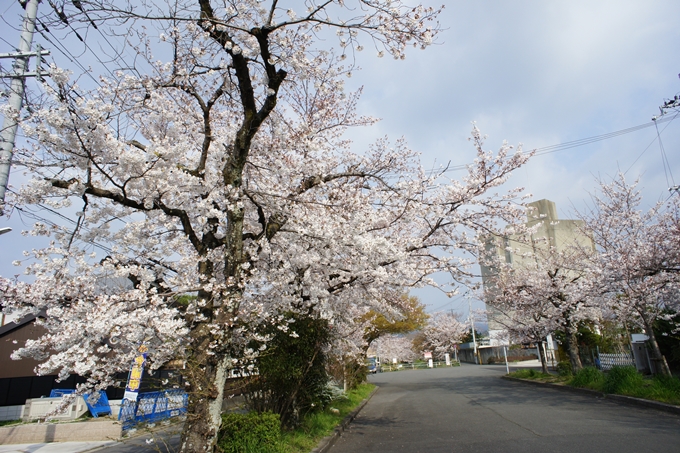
{"x":623,"y":380}
{"x":529,"y":373}
{"x":588,"y":377}
{"x":10,"y":422}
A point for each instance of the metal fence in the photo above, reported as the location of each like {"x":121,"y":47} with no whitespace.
{"x":96,"y":408}
{"x":152,"y":407}
{"x":415,"y":366}
{"x":607,"y":361}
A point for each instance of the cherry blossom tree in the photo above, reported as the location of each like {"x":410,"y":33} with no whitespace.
{"x":442,"y":332}
{"x":394,"y":346}
{"x":545,"y":291}
{"x":638,"y":255}
{"x":666,"y":241}
{"x":348,"y":348}
{"x":221,"y":171}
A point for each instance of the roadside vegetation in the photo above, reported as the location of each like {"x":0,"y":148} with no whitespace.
{"x":262,"y":433}
{"x":9,"y":422}
{"x":623,"y":380}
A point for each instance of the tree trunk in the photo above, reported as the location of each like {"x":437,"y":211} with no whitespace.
{"x":659,"y":359}
{"x":541,"y":353}
{"x":572,"y":351}
{"x":206,"y":394}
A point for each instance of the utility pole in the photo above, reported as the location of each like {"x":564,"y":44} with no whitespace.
{"x":16,"y":95}
{"x":472,"y":323}
{"x":670,"y":104}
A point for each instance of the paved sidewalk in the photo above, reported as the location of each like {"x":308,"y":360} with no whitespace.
{"x":55,"y":447}
{"x":156,"y":438}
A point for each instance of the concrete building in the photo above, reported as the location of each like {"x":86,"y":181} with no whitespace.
{"x":548,"y":231}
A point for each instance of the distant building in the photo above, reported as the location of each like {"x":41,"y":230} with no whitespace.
{"x":549,"y":232}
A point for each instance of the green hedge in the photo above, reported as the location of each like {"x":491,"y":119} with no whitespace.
{"x":250,"y":433}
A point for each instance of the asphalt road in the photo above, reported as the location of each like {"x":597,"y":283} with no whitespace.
{"x":471,"y":409}
{"x":163,"y":440}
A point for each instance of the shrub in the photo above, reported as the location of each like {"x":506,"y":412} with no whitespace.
{"x":250,"y":433}
{"x":623,"y":380}
{"x":292,"y":371}
{"x":564,"y":368}
{"x":356,"y":373}
{"x":528,"y":373}
{"x":331,"y":392}
{"x":588,"y":377}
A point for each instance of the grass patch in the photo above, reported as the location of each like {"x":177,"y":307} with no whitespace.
{"x":530,"y":373}
{"x":627,"y":381}
{"x":619,"y":381}
{"x":588,"y":377}
{"x":320,"y":424}
{"x":9,"y":422}
{"x":622,"y":380}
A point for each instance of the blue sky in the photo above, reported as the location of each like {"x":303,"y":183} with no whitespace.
{"x":532,"y":72}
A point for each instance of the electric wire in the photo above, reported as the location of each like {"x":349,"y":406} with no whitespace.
{"x":7,"y":42}
{"x":68,"y":55}
{"x":651,"y":143}
{"x":577,"y":143}
{"x":32,"y":215}
{"x":455,"y":299}
{"x":664,"y":160}
{"x":9,"y":6}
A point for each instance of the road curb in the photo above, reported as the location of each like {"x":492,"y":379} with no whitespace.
{"x":327,"y":442}
{"x":632,"y":401}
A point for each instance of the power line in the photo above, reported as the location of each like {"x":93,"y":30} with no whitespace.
{"x":64,"y":51}
{"x":457,"y":298}
{"x":34,"y":216}
{"x":651,"y":143}
{"x":576,"y":143}
{"x":664,"y":160}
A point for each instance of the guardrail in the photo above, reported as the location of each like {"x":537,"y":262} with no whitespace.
{"x":415,"y":366}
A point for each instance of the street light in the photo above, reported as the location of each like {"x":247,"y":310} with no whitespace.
{"x":5,"y":230}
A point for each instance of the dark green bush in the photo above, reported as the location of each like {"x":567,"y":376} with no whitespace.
{"x":623,"y":380}
{"x":249,"y":433}
{"x":588,"y":377}
{"x":292,"y":370}
{"x":564,"y":368}
{"x":528,"y":373}
{"x":356,"y":373}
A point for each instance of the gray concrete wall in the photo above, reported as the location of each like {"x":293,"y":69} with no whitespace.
{"x":60,"y":432}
